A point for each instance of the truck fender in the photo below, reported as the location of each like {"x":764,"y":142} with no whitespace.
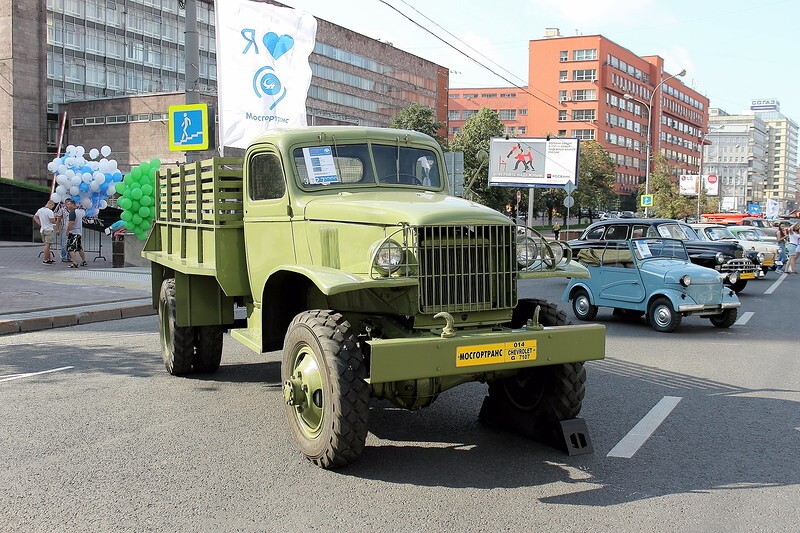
{"x":331,"y":281}
{"x":673,"y":296}
{"x":570,"y":291}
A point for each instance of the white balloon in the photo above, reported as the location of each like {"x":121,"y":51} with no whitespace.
{"x":80,"y":150}
{"x":74,"y":190}
{"x":69,"y":173}
{"x":51,"y":166}
{"x":93,"y":153}
{"x":55,"y":197}
{"x":62,"y":179}
{"x":112,"y":189}
{"x":62,"y":169}
{"x":103,"y":166}
{"x":70,"y":148}
{"x":94,"y":186}
{"x":75,"y":181}
{"x":94,"y":165}
{"x":103,"y":204}
{"x":61,"y":190}
{"x":86,"y":202}
{"x":105,"y":150}
{"x":113,"y":163}
{"x":86,"y":178}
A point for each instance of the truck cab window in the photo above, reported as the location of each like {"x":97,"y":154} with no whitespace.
{"x":265,"y":179}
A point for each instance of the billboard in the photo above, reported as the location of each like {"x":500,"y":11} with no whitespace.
{"x":765,"y":104}
{"x":532,"y":162}
{"x":688,"y":184}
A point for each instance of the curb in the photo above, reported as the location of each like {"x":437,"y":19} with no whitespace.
{"x":38,"y":323}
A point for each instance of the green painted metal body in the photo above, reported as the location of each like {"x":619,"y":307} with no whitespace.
{"x":253,"y":232}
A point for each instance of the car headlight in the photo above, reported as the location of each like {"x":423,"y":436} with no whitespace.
{"x":733,"y":277}
{"x":761,"y":257}
{"x":720,"y":258}
{"x":527,"y":251}
{"x":389,"y":257}
{"x":686,"y":280}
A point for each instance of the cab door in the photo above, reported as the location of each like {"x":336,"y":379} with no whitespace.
{"x":269,"y":240}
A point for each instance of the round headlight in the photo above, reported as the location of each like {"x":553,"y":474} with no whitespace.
{"x":733,"y":277}
{"x":527,"y":251}
{"x":686,"y":280}
{"x":720,"y":258}
{"x":761,"y":257}
{"x":389,"y":257}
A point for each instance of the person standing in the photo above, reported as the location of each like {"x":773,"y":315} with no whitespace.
{"x":556,"y":230}
{"x":793,"y":249}
{"x":62,"y":214}
{"x":47,"y":220}
{"x":75,"y":234}
{"x":781,"y":238}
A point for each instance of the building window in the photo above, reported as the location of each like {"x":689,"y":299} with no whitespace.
{"x":562,"y":115}
{"x":588,"y":74}
{"x":453,"y":115}
{"x":584,"y":94}
{"x":468,"y":113}
{"x":562,"y":96}
{"x":489,"y":95}
{"x":76,"y":122}
{"x":454,"y":96}
{"x":117,"y":119}
{"x":522,"y":130}
{"x":562,"y":133}
{"x":562,"y":75}
{"x":584,"y":55}
{"x":95,"y":121}
{"x":563,"y":55}
{"x":472,"y":95}
{"x":586,"y":135}
{"x":508,"y":95}
{"x":522,"y":112}
{"x":141,"y":117}
{"x":159,"y":116}
{"x":508,"y":114}
{"x":583,"y":114}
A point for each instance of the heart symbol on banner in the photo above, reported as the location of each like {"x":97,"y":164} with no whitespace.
{"x":278,"y":46}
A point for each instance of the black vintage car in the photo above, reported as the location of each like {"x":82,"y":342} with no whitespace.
{"x":728,"y":258}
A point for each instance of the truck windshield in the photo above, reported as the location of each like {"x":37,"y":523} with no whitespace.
{"x":367,"y":165}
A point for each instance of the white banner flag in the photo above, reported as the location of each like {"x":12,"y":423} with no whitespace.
{"x":687,"y":184}
{"x":773,"y":208}
{"x":263,"y":73}
{"x":711,"y":182}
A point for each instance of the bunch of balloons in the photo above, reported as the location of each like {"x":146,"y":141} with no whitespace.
{"x":87,"y":182}
{"x":138,"y":201}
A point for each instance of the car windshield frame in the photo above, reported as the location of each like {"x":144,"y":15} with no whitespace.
{"x":718,"y":233}
{"x":367,"y":165}
{"x":647,"y":248}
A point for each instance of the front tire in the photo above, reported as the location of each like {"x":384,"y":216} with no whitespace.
{"x":726,"y":319}
{"x":662,"y":316}
{"x":738,"y":286}
{"x":177,"y":343}
{"x":327,"y":397}
{"x":582,"y":305}
{"x":534,"y":400}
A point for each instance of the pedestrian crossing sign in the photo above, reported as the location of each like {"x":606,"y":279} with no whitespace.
{"x":646,"y":200}
{"x":188,"y":127}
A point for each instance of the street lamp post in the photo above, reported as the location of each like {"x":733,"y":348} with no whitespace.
{"x":649,"y":106}
{"x":700,"y":169}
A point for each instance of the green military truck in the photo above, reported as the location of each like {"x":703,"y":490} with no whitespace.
{"x":344,"y":249}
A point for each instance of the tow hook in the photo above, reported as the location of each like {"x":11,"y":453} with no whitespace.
{"x":448,"y":330}
{"x":533,"y":322}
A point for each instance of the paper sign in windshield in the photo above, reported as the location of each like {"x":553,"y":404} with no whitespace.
{"x":320,"y":167}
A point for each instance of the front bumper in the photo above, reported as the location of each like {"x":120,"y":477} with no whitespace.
{"x":482,"y":351}
{"x":708,"y":309}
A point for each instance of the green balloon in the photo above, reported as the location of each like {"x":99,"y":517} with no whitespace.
{"x":136,"y":193}
{"x":135,"y":205}
{"x":129,"y":225}
{"x":126,"y":215}
{"x":121,"y":187}
{"x":136,"y":219}
{"x":147,"y":189}
{"x":145,"y":168}
{"x":155,"y":162}
{"x":152,"y":175}
{"x":127,"y":193}
{"x":124,"y":203}
{"x":136,"y":173}
{"x":146,"y":201}
{"x":144,"y":212}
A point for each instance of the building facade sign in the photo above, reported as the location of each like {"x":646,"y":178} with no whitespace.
{"x":765,"y":104}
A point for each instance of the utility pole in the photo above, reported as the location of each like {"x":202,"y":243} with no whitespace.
{"x":191,"y":46}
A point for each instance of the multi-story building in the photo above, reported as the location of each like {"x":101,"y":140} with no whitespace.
{"x":589,"y":87}
{"x":736,"y":150}
{"x":95,"y":58}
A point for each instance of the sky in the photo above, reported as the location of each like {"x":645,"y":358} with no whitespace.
{"x":734,"y":51}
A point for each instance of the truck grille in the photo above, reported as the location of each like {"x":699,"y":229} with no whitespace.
{"x":466,"y":267}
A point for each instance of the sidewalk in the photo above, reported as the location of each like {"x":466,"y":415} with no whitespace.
{"x":35,"y":296}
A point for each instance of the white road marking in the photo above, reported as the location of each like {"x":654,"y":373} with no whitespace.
{"x":636,"y":437}
{"x":775,"y":285}
{"x":20,"y":376}
{"x":744,"y":319}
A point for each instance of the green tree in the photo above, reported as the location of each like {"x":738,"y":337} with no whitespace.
{"x":667,"y":200}
{"x":473,"y":139}
{"x":419,"y":118}
{"x":595,"y":178}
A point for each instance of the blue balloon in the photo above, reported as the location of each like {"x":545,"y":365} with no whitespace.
{"x":76,"y":198}
{"x":103,"y":187}
{"x":86,"y":168}
{"x":118,"y":176}
{"x":83,"y":187}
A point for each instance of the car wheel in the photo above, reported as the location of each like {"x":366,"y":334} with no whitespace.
{"x":582,"y":306}
{"x":662,"y":316}
{"x":738,"y":286}
{"x":726,"y":319}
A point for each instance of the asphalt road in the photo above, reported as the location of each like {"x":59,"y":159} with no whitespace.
{"x":105,"y":440}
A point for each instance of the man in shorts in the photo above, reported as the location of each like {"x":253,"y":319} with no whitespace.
{"x":47,"y":220}
{"x":74,"y":233}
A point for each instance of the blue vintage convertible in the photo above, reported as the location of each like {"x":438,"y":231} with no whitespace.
{"x":652,"y":277}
